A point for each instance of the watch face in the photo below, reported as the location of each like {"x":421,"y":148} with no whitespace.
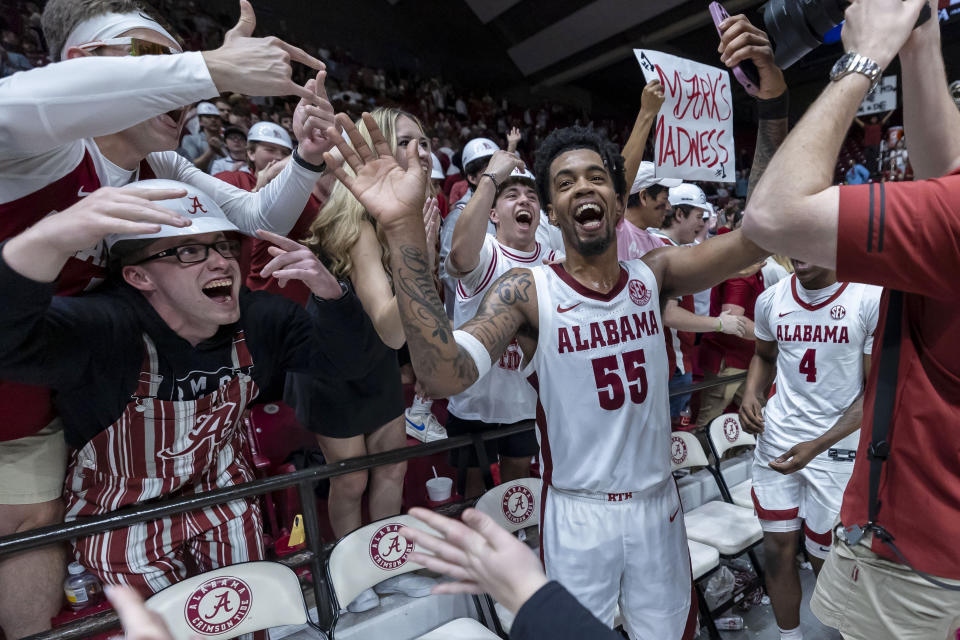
{"x":841,"y":65}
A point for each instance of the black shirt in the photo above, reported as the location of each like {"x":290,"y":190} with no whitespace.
{"x":89,"y":349}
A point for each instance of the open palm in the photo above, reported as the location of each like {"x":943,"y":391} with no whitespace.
{"x":390,"y":193}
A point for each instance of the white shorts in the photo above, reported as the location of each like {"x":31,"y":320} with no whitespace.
{"x":624,"y":548}
{"x":32,"y":468}
{"x":810,"y":498}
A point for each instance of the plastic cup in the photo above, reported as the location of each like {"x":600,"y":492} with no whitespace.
{"x":439,"y":489}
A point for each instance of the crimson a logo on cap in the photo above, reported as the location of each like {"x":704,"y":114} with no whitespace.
{"x":678,"y":450}
{"x":218,"y":605}
{"x":517,"y":504}
{"x":838,"y":312}
{"x":196,"y":205}
{"x":731,"y":429}
{"x":639,"y":292}
{"x":389,"y":549}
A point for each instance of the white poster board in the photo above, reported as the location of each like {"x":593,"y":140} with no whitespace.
{"x":695,"y":125}
{"x":881,"y":99}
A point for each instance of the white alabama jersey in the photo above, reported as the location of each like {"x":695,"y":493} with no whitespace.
{"x":822,"y":336}
{"x":600,"y":371}
{"x":502,"y":395}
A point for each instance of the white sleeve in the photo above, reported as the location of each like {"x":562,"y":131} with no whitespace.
{"x":44,"y":108}
{"x":473,"y":280}
{"x":276,"y":207}
{"x":870,"y":314}
{"x":761,"y":315}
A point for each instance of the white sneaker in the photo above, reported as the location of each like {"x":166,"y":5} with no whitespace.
{"x":409,"y":584}
{"x":364,"y":602}
{"x":423,"y":427}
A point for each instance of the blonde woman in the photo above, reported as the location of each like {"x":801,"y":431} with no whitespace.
{"x":358,"y":417}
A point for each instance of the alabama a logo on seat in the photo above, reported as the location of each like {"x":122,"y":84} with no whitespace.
{"x":218,"y":605}
{"x":678,"y":450}
{"x":517,"y":504}
{"x":389,"y":549}
{"x":731,"y":429}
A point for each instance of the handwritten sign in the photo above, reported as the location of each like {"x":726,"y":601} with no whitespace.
{"x":695,"y":125}
{"x":881,"y":99}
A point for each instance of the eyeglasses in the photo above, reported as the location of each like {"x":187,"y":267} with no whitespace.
{"x":138,"y":46}
{"x":194,"y":253}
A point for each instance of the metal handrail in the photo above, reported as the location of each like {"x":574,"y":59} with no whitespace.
{"x":303,"y":479}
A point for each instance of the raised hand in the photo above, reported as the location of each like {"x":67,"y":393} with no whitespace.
{"x":513,"y":139}
{"x":879,"y":28}
{"x":652,"y":98}
{"x":479,"y":555}
{"x":390,"y":194}
{"x":294,"y":261}
{"x":257,"y":66}
{"x":311,"y":119}
{"x":269,"y":172}
{"x":41,"y":251}
{"x":743,"y":41}
{"x":502,"y":163}
{"x":431,"y":224}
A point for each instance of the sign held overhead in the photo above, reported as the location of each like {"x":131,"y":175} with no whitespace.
{"x":694,"y":128}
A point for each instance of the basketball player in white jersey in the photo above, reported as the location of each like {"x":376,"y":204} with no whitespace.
{"x":590,"y":331}
{"x":815,"y":335}
{"x":506,"y":195}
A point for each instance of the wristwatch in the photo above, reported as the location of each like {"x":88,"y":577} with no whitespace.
{"x":852,"y":62}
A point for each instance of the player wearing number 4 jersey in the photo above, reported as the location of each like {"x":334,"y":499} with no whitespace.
{"x":816,"y":335}
{"x":612,"y":529}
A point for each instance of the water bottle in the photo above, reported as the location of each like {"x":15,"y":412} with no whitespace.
{"x":729,"y":623}
{"x":83,"y":589}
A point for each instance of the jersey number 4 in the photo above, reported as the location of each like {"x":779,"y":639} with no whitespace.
{"x":610,"y":380}
{"x":808,"y":365}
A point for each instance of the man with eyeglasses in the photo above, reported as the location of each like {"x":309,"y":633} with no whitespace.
{"x":154,"y":371}
{"x":110,"y":112}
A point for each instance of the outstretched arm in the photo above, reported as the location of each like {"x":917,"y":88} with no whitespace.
{"x":650,"y":103}
{"x":801,"y":220}
{"x":931,"y":119}
{"x":395,"y":196}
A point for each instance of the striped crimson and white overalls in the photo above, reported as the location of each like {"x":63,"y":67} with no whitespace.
{"x":160,"y":448}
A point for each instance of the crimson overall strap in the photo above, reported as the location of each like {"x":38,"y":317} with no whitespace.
{"x":883,"y":406}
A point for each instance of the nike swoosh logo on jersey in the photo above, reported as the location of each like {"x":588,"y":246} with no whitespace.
{"x":674,"y":514}
{"x":565,"y":309}
{"x":81,"y":193}
{"x":786,"y":314}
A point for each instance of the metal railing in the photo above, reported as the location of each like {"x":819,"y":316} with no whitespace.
{"x":304,"y":480}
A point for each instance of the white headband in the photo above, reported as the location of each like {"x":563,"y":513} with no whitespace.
{"x":110,"y":25}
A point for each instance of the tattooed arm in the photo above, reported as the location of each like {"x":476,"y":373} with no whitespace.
{"x":394,"y":196}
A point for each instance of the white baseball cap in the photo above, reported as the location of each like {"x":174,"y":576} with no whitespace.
{"x":269,"y":132}
{"x":207,"y":109}
{"x":522,"y":175}
{"x":478,"y":148}
{"x":647,"y":176}
{"x":198,"y":207}
{"x":689,"y":194}
{"x":437,"y":172}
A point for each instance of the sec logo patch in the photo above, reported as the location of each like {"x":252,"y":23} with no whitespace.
{"x":218,"y":605}
{"x":517,"y":504}
{"x":388,"y":549}
{"x":639,"y":293}
{"x":838,"y":312}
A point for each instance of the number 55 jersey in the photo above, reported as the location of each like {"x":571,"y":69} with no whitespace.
{"x":821,"y":336}
{"x":600,"y":371}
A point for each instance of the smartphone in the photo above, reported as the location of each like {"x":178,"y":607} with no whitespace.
{"x":746,"y":72}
